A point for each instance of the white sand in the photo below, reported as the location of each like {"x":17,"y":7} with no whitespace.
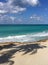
{"x":39,"y":58}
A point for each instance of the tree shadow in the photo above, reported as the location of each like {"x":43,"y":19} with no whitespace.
{"x":27,"y":48}
{"x":5,"y":57}
{"x":30,"y":48}
{"x":7,"y":46}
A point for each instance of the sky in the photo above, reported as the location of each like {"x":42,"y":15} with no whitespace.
{"x":23,"y":11}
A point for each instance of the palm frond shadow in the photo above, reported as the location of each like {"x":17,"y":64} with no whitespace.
{"x":11,"y":45}
{"x":30,"y":48}
{"x":27,"y":48}
{"x":6,"y":56}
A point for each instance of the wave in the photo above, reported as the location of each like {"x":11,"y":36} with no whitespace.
{"x":26,"y":38}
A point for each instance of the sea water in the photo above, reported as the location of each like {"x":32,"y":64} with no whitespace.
{"x":23,"y":33}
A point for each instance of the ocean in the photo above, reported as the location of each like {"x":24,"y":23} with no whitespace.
{"x":23,"y":33}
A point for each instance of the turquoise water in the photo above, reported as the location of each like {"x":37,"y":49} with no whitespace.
{"x":23,"y":33}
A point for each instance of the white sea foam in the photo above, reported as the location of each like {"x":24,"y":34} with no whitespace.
{"x":25,"y":38}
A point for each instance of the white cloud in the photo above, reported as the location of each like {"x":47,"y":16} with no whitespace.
{"x":5,"y":19}
{"x":1,"y":4}
{"x":12,"y":18}
{"x":15,"y":6}
{"x":31,"y":2}
{"x":35,"y":17}
{"x":10,"y":8}
{"x":3,"y":11}
{"x":17,"y":9}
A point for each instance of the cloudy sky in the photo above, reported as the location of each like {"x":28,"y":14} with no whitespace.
{"x":23,"y":11}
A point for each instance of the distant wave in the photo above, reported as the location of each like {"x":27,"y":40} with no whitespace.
{"x":26,"y":38}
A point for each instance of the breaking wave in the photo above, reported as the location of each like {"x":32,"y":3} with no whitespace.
{"x":25,"y":38}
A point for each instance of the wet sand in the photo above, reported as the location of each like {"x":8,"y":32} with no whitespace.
{"x":35,"y":53}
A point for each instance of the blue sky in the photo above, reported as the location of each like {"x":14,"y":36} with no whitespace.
{"x":23,"y":11}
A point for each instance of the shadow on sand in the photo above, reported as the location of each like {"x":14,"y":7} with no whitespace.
{"x":7,"y":46}
{"x":27,"y":48}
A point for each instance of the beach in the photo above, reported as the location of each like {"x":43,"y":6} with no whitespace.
{"x":23,"y":44}
{"x":33,"y":53}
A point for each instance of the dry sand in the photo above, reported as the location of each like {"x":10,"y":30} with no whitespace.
{"x":24,"y":53}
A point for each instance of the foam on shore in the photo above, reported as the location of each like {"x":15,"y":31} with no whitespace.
{"x":25,"y":38}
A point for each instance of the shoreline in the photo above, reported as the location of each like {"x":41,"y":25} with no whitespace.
{"x":24,"y":42}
